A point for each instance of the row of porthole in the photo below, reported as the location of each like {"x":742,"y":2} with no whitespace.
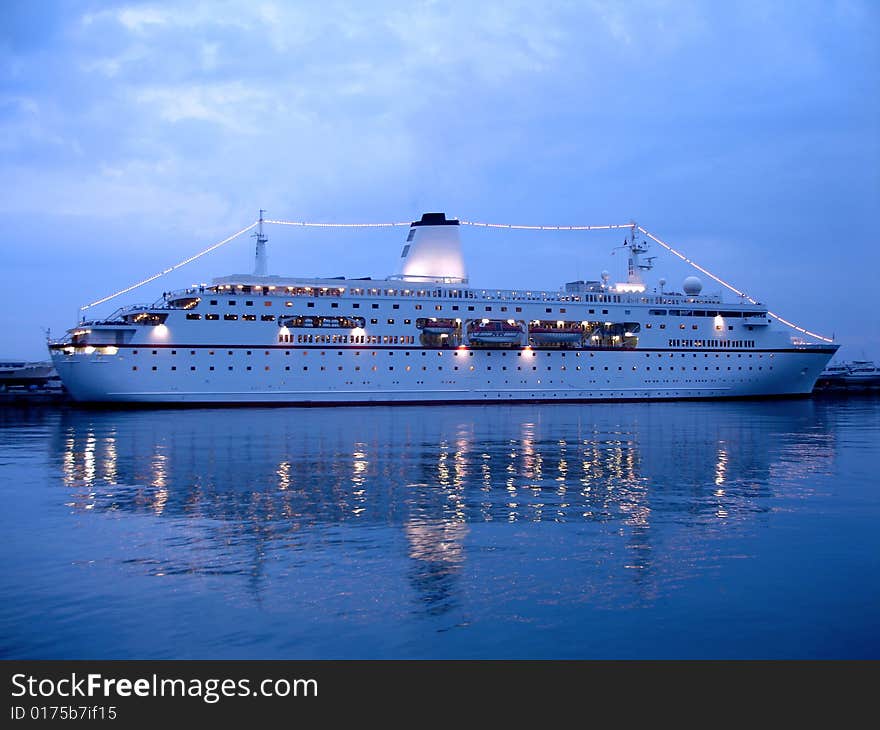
{"x":375,"y":368}
{"x":455,"y":353}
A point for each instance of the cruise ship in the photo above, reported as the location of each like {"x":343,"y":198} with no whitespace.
{"x":426,"y":335}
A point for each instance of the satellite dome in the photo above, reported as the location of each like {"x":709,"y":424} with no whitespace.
{"x":692,"y":286}
{"x":605,"y":276}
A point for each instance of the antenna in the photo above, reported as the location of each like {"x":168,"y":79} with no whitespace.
{"x":261,"y":261}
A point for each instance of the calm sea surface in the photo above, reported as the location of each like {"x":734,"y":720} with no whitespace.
{"x":741,"y":529}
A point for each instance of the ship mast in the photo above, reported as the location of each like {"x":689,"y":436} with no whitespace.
{"x":261,"y":261}
{"x":636,"y":265}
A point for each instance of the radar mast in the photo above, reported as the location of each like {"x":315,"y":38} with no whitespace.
{"x":261,"y":260}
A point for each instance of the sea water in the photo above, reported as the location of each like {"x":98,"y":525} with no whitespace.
{"x":689,"y":529}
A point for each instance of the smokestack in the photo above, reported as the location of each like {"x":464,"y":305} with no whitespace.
{"x":433,"y":251}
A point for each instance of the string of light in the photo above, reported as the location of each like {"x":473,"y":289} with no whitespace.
{"x":546,"y":228}
{"x":308,"y":224}
{"x":159,"y":274}
{"x":731,"y":287}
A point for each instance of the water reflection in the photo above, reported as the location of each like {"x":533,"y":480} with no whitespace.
{"x":250,"y":482}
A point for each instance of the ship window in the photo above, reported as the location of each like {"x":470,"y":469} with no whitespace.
{"x":418,"y":306}
{"x":231,"y":302}
{"x":193,"y":316}
{"x":267,"y":303}
{"x":212,"y":317}
{"x":155,"y":368}
{"x":470,"y":309}
{"x":519,"y":309}
{"x":374,"y":321}
{"x":249,"y":303}
{"x":438,"y":307}
{"x":407,"y":321}
{"x":288,"y":304}
{"x":249,"y":317}
{"x":230,"y":316}
{"x":562,"y":310}
{"x":214,"y":302}
{"x":356,"y":306}
{"x":548,"y":309}
{"x":375,"y":306}
{"x":390,"y":321}
{"x":395,"y":306}
{"x":310,"y":304}
{"x":134,"y":367}
{"x":267,"y":318}
{"x":503,"y":309}
{"x":192,"y":367}
{"x":454,"y":307}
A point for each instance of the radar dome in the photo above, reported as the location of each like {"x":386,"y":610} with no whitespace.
{"x":692,"y":286}
{"x":605,"y":276}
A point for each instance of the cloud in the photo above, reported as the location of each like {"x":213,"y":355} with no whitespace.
{"x":694,"y":117}
{"x":233,"y":105}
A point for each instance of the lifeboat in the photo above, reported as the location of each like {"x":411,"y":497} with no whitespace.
{"x":436,"y":326}
{"x":495,"y":332}
{"x":548,"y":335}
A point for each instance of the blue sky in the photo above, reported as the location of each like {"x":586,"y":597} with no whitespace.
{"x":747,"y":134}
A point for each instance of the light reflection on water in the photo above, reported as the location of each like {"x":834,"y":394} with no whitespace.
{"x":374,"y":526}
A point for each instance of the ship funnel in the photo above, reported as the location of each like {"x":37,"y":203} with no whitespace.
{"x":432,"y":251}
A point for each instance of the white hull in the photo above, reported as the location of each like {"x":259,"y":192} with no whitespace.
{"x":99,"y":378}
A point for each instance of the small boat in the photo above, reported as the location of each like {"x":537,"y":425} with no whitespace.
{"x":26,"y":373}
{"x":553,"y":335}
{"x":434,"y":326}
{"x":863,"y":370}
{"x":835,"y":372}
{"x":495,"y":332}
